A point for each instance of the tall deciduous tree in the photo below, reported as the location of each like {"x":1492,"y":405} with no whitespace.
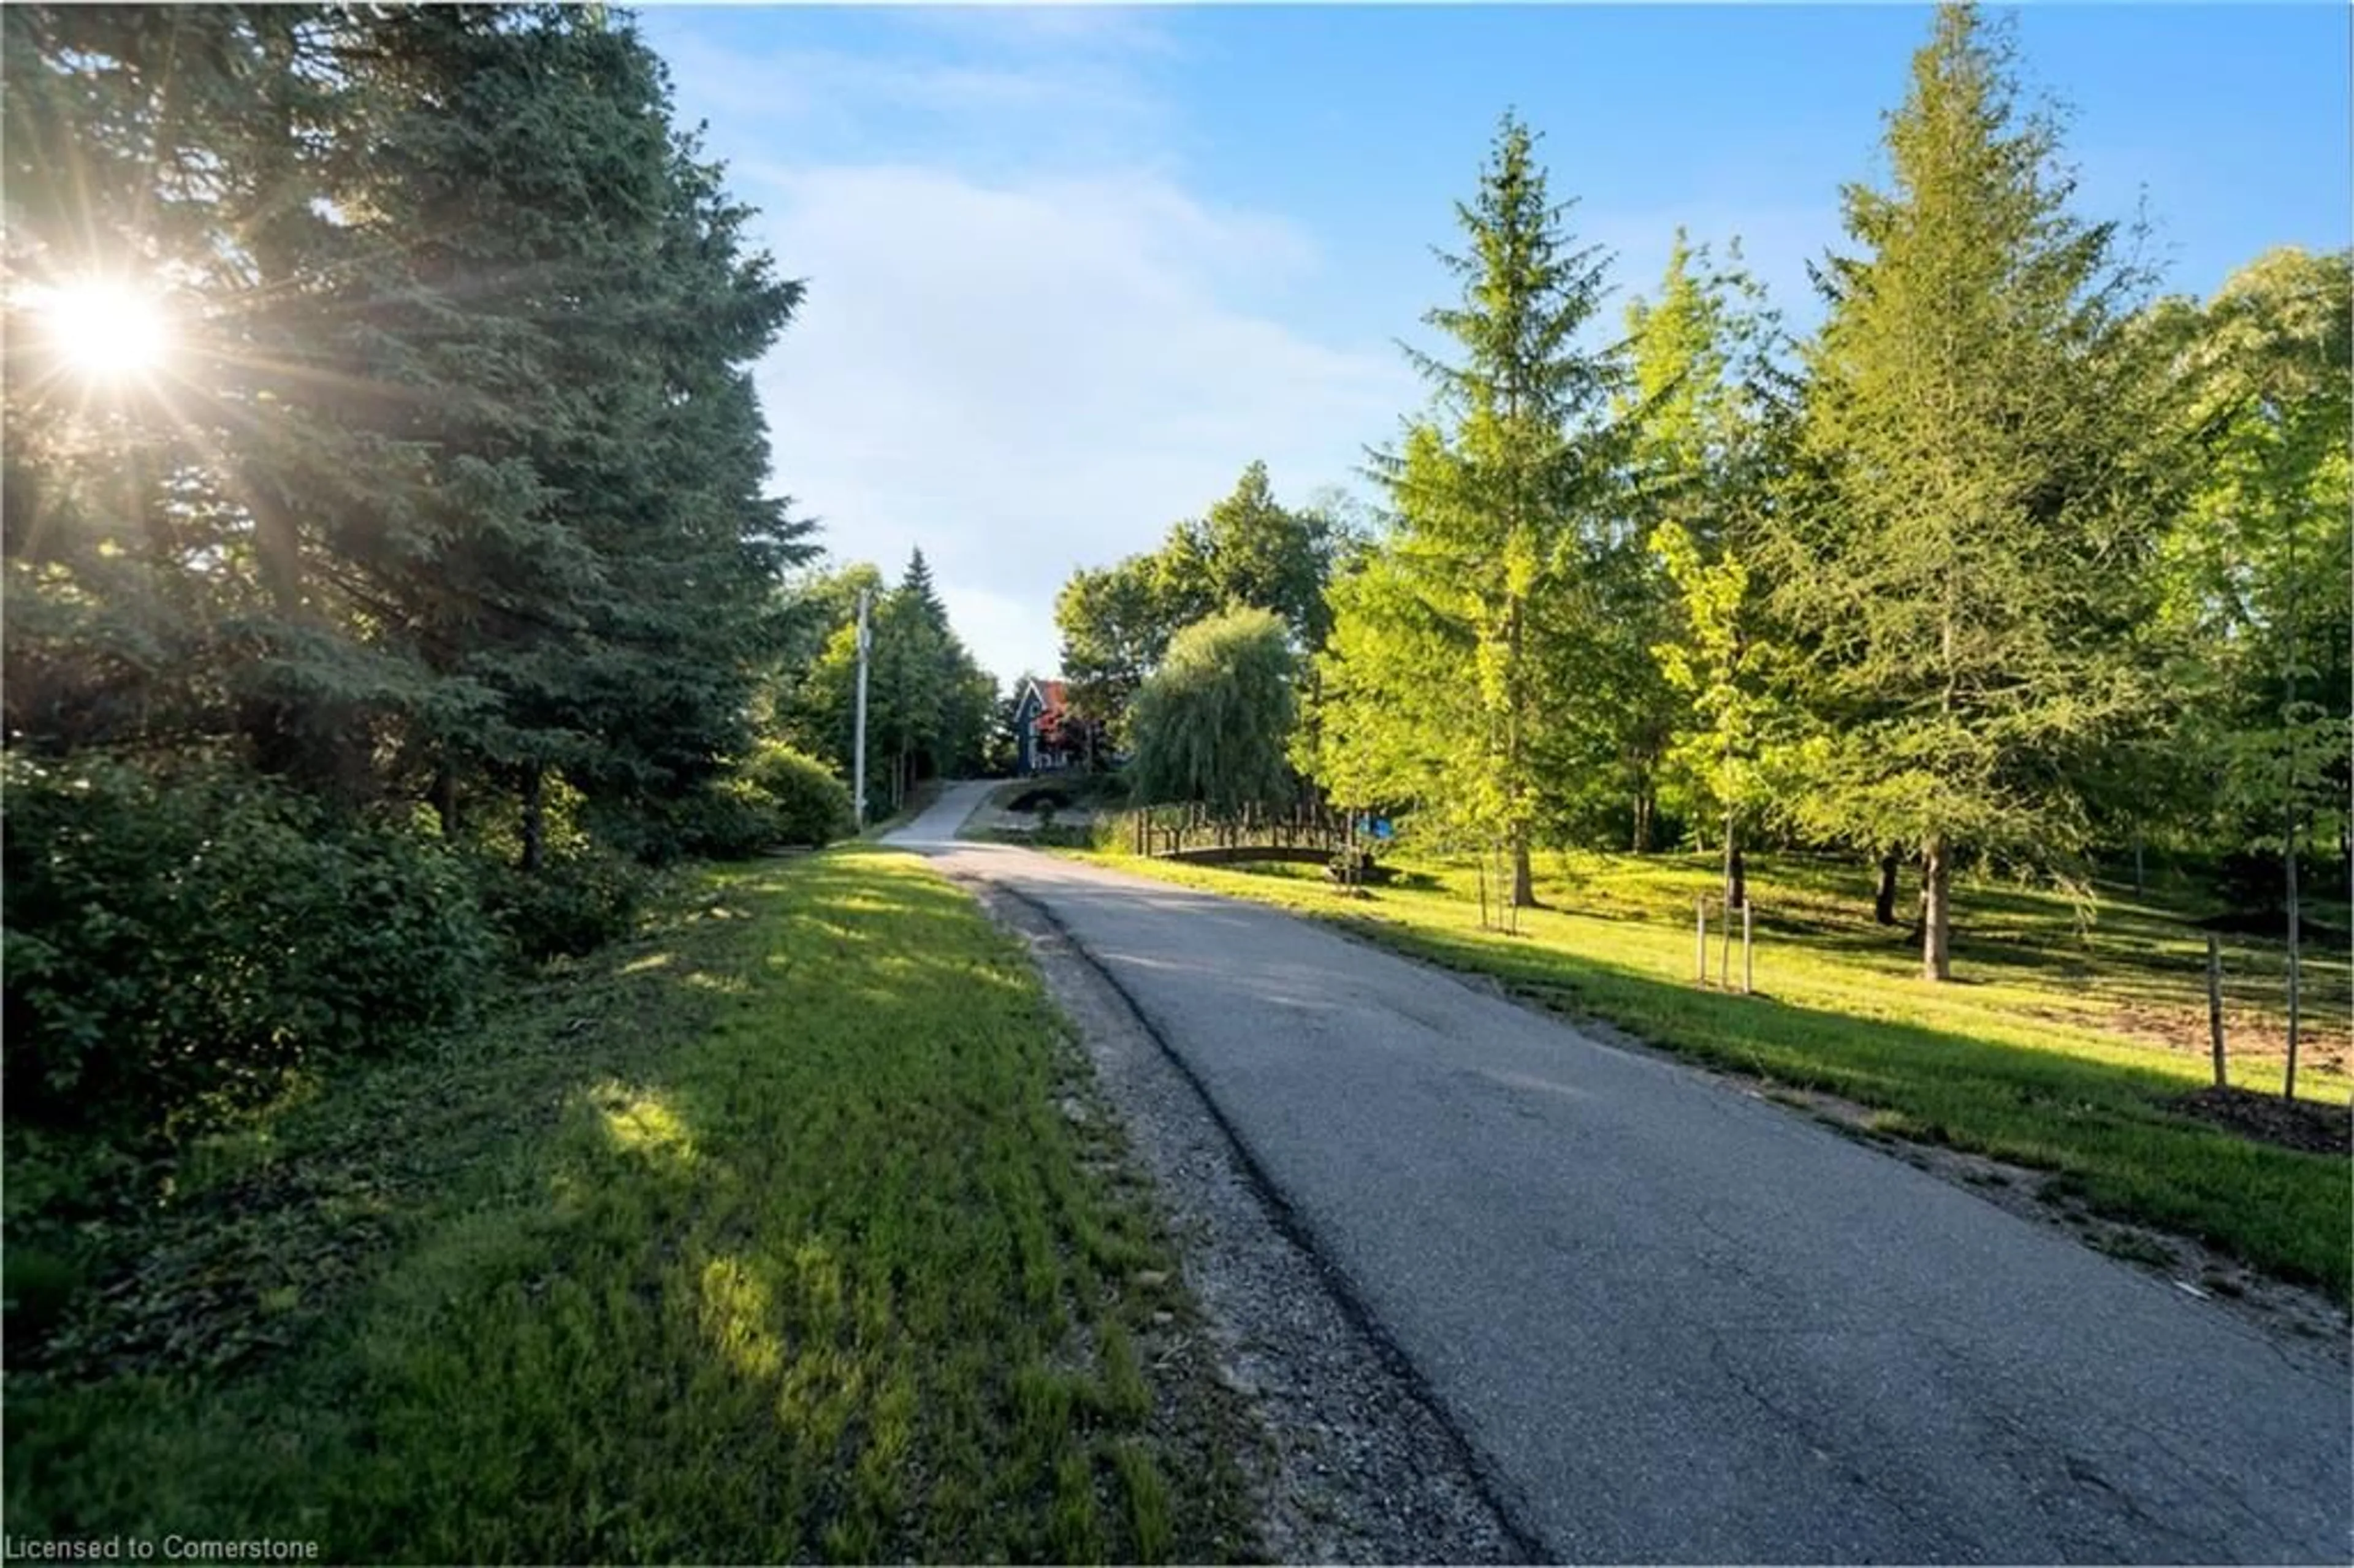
{"x":1981,"y":425}
{"x":1704,"y":463}
{"x":1249,"y":551}
{"x":2261,"y":561}
{"x":1115,"y":630}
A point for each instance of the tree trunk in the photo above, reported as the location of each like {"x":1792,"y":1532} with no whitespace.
{"x":534,"y":817}
{"x":445,"y":797}
{"x":2288,"y":1079}
{"x":1883,"y":908}
{"x":1523,"y":895}
{"x":2288,"y":718}
{"x":1936,"y":914}
{"x":1736,"y":878}
{"x":290,"y":738}
{"x":1642,"y":844}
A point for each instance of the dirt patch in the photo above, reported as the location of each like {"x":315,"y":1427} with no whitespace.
{"x":2250,"y":1036}
{"x":1352,"y":1462}
{"x":2303,"y":1125}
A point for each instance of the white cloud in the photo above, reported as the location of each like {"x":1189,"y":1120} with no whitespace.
{"x":1026,"y":345}
{"x":1029,"y":375}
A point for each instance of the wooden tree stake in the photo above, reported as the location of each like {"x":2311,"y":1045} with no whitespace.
{"x":2215,"y":1004}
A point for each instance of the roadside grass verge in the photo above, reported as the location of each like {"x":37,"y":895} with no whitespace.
{"x":2023,"y":1061}
{"x":768,"y":1235}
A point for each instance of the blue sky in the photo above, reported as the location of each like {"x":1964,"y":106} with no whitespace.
{"x":1071,"y":267}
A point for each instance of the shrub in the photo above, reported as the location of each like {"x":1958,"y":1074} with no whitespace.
{"x":778,"y":796}
{"x":729,"y":820}
{"x":811,"y":806}
{"x":173,"y":937}
{"x":574,"y":903}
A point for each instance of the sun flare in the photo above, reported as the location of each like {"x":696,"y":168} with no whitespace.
{"x":104,"y":329}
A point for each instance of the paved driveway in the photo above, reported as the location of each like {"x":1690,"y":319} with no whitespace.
{"x":1682,"y":1324}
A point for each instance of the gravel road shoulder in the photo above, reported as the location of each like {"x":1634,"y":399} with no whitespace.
{"x":1355,"y":1463}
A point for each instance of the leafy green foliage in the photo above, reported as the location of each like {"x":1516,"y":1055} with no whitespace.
{"x":1980,"y":428}
{"x":1705,"y":458}
{"x":930,"y":708}
{"x":204,"y":934}
{"x":1212,"y":722}
{"x":2255,"y":569}
{"x":1501,"y":575}
{"x":807,"y":803}
{"x":573,"y":904}
{"x":1248,"y":552}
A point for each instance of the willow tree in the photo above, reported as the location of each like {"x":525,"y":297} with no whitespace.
{"x":1486,"y":492}
{"x":1979,"y":422}
{"x":1212,"y":723}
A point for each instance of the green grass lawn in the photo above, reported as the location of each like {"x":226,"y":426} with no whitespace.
{"x":767,"y":1235}
{"x":2055,"y":1049}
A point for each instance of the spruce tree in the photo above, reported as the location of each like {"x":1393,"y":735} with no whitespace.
{"x":1488,"y":494}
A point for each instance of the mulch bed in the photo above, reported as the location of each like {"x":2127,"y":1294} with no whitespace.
{"x":2304,"y":1125}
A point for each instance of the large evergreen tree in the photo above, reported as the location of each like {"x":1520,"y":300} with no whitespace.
{"x":1488,"y":496}
{"x":453,"y":474}
{"x":1979,"y":425}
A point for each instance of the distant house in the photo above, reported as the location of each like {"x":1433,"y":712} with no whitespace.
{"x":1039,"y":745}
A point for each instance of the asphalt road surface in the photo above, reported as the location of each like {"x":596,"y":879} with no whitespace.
{"x":1679,"y":1323}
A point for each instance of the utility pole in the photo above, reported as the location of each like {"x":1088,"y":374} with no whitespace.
{"x":858,"y":746}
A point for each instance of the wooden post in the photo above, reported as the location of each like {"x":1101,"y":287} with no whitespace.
{"x":1700,"y":936}
{"x":2215,"y":1004}
{"x":1724,"y":952}
{"x":1748,"y":969}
